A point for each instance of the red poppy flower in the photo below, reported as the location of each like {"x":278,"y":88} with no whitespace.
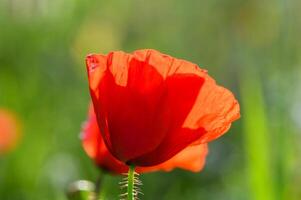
{"x":191,"y":158}
{"x":150,"y":106}
{"x":9,"y":131}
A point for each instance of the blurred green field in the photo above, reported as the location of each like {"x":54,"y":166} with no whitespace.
{"x":252,"y":47}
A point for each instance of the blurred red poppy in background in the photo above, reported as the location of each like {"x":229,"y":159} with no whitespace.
{"x":150,"y":106}
{"x":9,"y":131}
{"x":191,"y":158}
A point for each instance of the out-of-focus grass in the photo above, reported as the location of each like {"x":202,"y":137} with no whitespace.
{"x":257,"y":141}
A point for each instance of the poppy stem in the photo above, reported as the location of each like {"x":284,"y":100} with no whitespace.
{"x":98,"y":185}
{"x":130,"y":188}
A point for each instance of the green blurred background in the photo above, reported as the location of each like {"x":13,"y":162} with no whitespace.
{"x":252,"y":47}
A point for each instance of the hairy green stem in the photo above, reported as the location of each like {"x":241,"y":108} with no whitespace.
{"x":130,"y":188}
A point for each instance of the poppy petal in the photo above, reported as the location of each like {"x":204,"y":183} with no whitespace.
{"x":215,"y":109}
{"x":95,"y":147}
{"x":191,"y":158}
{"x":178,"y":102}
{"x":150,"y":106}
{"x":9,"y":131}
{"x":128,"y":109}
